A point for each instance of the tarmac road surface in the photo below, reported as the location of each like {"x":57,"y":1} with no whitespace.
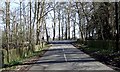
{"x":64,"y":56}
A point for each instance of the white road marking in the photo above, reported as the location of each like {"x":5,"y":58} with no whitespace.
{"x":64,"y":55}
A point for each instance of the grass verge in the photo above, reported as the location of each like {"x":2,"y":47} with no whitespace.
{"x":20,"y":64}
{"x":106,"y":56}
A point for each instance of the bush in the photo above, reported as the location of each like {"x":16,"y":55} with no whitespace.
{"x":15,"y":63}
{"x":103,"y":44}
{"x":80,"y":41}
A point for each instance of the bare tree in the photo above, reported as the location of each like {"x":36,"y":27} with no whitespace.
{"x":68,"y":21}
{"x":7,"y":27}
{"x":54,"y":22}
{"x":80,"y":25}
{"x":30,"y":30}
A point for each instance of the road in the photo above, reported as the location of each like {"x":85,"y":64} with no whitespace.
{"x":67,"y":57}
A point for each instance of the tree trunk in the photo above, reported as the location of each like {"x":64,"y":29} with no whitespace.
{"x":7,"y":27}
{"x":59,"y":23}
{"x":37,"y":24}
{"x":62,"y":26}
{"x":68,"y":26}
{"x":19,"y":49}
{"x":80,"y":26}
{"x":30,"y":34}
{"x":74,"y":27}
{"x":66,"y":31}
{"x":46,"y":32}
{"x":33,"y":31}
{"x":54,"y":24}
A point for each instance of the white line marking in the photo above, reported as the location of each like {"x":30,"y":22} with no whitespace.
{"x":64,"y":55}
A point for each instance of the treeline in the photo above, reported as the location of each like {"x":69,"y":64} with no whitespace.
{"x":24,"y":29}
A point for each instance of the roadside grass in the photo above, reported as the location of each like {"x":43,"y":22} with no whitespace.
{"x":16,"y":60}
{"x":98,"y":50}
{"x":104,"y":55}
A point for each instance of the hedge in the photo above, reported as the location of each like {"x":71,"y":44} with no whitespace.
{"x":106,"y":44}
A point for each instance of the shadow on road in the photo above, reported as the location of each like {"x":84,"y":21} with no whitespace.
{"x":62,"y":42}
{"x":62,"y":61}
{"x":60,"y":50}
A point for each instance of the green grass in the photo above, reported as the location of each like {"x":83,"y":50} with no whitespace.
{"x":15,"y":58}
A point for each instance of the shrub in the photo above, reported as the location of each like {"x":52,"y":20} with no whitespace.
{"x":103,"y":44}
